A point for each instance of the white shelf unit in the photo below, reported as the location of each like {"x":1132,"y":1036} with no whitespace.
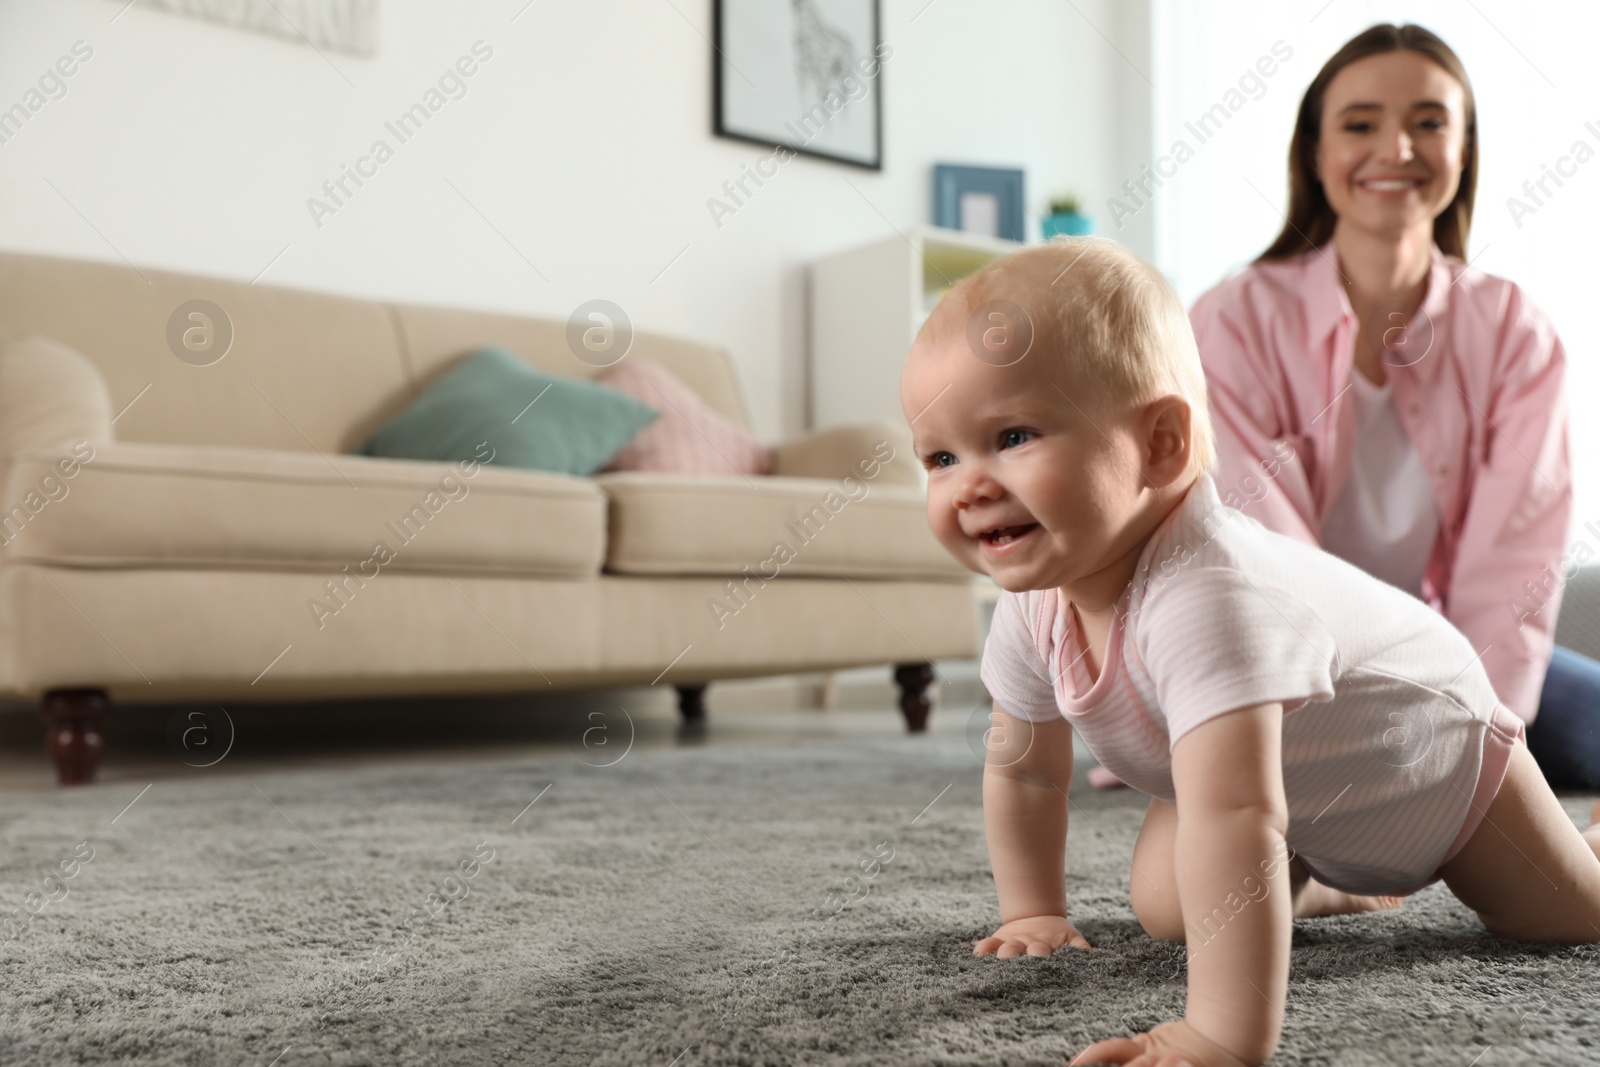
{"x":867,"y":305}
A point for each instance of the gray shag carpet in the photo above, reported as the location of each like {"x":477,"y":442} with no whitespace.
{"x":665,"y":910}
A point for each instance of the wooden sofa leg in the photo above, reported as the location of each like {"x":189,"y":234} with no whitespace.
{"x":915,"y":703}
{"x":75,"y":740}
{"x":692,"y":704}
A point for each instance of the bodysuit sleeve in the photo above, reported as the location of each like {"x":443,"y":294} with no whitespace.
{"x":1013,"y":671}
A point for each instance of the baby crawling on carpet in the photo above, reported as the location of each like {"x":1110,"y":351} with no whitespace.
{"x":1313,"y":740}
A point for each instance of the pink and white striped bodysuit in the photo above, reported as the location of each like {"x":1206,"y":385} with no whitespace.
{"x":1394,"y":742}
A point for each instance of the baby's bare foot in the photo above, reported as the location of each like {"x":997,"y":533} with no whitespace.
{"x":1316,"y":899}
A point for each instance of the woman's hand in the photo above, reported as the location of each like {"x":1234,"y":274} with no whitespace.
{"x":1037,"y":935}
{"x":1169,"y":1045}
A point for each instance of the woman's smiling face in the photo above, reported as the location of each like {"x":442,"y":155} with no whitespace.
{"x":1392,"y":139}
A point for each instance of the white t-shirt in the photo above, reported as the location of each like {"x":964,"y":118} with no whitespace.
{"x":1385,"y":520}
{"x":1386,"y":705}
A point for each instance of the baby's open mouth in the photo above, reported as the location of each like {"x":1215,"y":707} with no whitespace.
{"x":1004,"y":535}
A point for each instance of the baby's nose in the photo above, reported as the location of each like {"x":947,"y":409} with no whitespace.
{"x":977,"y":485}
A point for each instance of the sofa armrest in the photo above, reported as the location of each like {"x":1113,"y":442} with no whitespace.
{"x":878,"y":448}
{"x":1578,"y":627}
{"x":50,"y":394}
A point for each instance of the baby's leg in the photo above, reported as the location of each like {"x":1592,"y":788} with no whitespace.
{"x":1153,"y":882}
{"x":1312,"y":898}
{"x":1526,"y":870}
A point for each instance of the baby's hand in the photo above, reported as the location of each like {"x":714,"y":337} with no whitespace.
{"x":1037,"y":935}
{"x":1175,"y":1044}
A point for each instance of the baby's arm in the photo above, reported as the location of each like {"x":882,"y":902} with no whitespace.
{"x":1232,"y":818}
{"x":1027,"y":770}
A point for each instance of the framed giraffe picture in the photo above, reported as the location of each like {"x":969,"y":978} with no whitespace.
{"x":801,"y":76}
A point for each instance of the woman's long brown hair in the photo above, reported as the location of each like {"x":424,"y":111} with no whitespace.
{"x":1311,"y":218}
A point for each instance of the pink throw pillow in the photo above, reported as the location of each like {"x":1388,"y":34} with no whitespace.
{"x":689,"y":437}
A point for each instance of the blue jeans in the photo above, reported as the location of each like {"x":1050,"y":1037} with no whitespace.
{"x":1565,"y":735}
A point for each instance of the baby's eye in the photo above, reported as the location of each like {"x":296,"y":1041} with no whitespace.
{"x":1013,"y":438}
{"x":938,"y":459}
{"x":1358,"y":127}
{"x":1432,"y":124}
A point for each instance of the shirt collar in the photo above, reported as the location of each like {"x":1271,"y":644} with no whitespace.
{"x":1327,"y":303}
{"x":1430,"y":316}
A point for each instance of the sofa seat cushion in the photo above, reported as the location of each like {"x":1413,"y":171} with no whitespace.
{"x":766,"y":527}
{"x":168,"y":506}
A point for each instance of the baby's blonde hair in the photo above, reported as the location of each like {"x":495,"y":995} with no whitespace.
{"x":1107,"y":315}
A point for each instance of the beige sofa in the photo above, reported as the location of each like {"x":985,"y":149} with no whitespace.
{"x":170,"y":524}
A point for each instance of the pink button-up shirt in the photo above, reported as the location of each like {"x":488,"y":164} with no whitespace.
{"x":1478,"y":387}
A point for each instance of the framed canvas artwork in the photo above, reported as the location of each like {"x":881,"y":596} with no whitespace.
{"x":982,"y":200}
{"x":803,"y":75}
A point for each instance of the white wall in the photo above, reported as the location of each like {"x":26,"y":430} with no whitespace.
{"x":1533,"y":72}
{"x":585,"y":139}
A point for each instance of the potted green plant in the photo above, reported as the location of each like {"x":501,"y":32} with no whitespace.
{"x":1065,"y":218}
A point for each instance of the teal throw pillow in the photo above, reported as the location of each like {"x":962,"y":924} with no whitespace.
{"x":530,"y":419}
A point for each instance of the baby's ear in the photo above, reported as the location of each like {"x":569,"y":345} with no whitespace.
{"x":1168,"y":442}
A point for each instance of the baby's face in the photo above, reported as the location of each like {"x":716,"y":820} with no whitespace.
{"x":1022,"y":484}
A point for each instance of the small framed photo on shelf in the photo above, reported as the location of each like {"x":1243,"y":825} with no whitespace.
{"x":981,"y":200}
{"x":803,"y":76}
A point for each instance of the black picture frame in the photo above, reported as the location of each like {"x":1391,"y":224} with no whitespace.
{"x":726,"y":90}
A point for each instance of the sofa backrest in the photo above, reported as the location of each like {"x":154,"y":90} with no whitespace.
{"x":433,"y":338}
{"x":305,"y":371}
